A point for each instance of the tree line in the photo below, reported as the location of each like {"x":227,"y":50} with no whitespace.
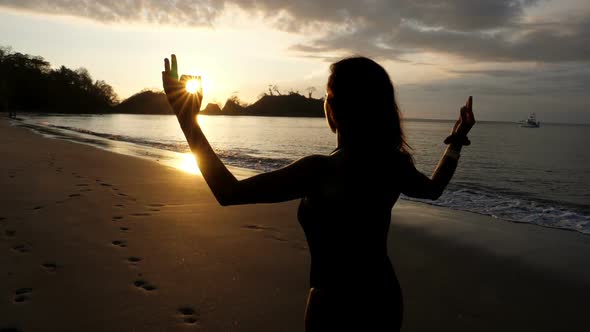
{"x":29,"y":83}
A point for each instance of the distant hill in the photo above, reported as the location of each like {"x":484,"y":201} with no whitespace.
{"x":292,"y":105}
{"x":286,"y":105}
{"x":145,"y":102}
{"x":211,"y":108}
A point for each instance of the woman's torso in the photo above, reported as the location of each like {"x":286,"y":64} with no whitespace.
{"x":346,"y":221}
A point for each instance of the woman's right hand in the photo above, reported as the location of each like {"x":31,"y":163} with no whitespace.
{"x":185,"y":105}
{"x":466,"y":119}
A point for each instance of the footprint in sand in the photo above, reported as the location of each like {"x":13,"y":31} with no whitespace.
{"x":21,"y":248}
{"x":74,"y":195}
{"x":124,"y":229}
{"x":119,"y":243}
{"x":133,"y":260}
{"x":22,"y":295}
{"x":141,"y":214}
{"x":271,"y":233}
{"x":127,"y":196}
{"x":119,"y":205}
{"x":2,"y":219}
{"x":277,"y":238}
{"x":39,"y":207}
{"x":49,"y":266}
{"x":10,"y":233}
{"x":115,"y":218}
{"x":257,"y":227}
{"x":140,"y":283}
{"x":188,"y":315}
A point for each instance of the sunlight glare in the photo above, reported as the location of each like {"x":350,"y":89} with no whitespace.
{"x":192,"y":86}
{"x":188,"y":163}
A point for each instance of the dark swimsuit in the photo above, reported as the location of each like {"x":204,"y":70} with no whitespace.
{"x":346,"y":225}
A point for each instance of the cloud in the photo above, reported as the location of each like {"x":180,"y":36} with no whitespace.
{"x":556,"y":43}
{"x":484,"y":30}
{"x":545,"y":80}
{"x":189,"y":12}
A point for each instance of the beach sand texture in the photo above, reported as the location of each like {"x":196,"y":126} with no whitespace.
{"x":91,"y":240}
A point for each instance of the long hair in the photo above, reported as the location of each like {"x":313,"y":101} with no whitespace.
{"x":365,"y":111}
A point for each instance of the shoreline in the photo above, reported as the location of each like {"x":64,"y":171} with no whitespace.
{"x":239,"y":172}
{"x":68,"y":245}
{"x":554,"y":214}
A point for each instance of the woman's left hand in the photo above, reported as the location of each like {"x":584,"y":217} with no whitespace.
{"x":186,"y":105}
{"x":466,"y":119}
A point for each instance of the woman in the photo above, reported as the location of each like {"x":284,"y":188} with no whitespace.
{"x":346,"y":197}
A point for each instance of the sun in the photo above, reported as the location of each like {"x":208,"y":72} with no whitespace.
{"x":192,"y":86}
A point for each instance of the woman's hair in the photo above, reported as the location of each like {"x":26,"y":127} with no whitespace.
{"x":363,"y":104}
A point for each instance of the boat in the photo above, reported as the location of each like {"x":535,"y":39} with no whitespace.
{"x":531,"y":122}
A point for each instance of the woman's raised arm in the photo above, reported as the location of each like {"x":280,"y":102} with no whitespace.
{"x":419,"y":185}
{"x":290,"y":182}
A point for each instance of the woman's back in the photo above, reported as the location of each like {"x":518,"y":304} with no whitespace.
{"x":346,"y":220}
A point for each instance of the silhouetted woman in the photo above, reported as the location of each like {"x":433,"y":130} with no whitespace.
{"x":346,"y":197}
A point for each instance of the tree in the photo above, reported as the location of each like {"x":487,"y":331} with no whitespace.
{"x":83,"y":78}
{"x":275,"y":88}
{"x":105,"y":93}
{"x":236,"y":100}
{"x":29,"y":83}
{"x":310,"y":90}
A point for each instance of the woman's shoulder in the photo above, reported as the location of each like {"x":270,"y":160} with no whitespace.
{"x":341,"y":159}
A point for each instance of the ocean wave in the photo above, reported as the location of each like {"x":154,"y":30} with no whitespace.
{"x":517,"y":209}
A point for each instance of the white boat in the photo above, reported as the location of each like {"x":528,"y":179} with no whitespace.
{"x":531,"y":122}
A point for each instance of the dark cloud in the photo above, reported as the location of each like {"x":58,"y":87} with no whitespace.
{"x":547,"y":80}
{"x":193,"y":12}
{"x":484,"y":30}
{"x":556,"y":43}
{"x":465,"y":15}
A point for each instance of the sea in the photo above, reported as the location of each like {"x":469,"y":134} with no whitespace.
{"x":539,"y":176}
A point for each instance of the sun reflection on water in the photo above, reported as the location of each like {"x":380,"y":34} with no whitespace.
{"x":187,"y":163}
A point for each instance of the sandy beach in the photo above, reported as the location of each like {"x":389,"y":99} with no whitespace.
{"x":92,"y":240}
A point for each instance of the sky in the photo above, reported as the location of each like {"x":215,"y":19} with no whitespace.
{"x":513,"y":56}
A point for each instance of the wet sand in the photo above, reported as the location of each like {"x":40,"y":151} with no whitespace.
{"x":91,"y":240}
